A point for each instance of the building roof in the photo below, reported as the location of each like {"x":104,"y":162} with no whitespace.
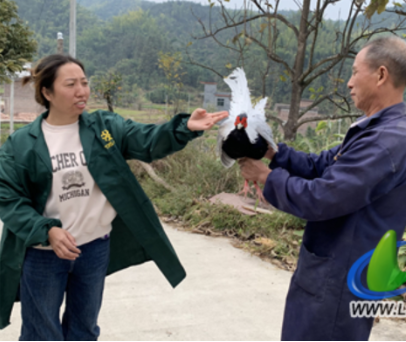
{"x":20,"y":117}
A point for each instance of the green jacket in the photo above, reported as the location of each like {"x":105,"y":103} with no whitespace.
{"x":108,"y":140}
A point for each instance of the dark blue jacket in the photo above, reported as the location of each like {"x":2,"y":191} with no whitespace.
{"x":350,"y":195}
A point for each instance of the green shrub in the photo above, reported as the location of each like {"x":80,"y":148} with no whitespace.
{"x":197,"y":174}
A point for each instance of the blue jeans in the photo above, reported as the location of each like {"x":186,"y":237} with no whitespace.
{"x":45,"y":278}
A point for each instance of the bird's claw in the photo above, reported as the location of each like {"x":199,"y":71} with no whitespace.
{"x":260,"y":195}
{"x":246,"y":189}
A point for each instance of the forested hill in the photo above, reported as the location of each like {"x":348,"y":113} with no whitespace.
{"x":106,"y":9}
{"x":128,"y":35}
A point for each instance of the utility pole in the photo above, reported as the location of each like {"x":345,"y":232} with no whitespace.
{"x":12,"y":105}
{"x":0,"y":122}
{"x":72,"y":29}
{"x":60,"y":43}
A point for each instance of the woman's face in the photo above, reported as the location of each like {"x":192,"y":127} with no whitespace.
{"x":71,"y":91}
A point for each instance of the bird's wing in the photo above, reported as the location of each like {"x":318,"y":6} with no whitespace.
{"x":240,"y":94}
{"x":263,"y":129}
{"x":226,"y":160}
{"x":224,"y":130}
{"x":259,"y":108}
{"x":256,"y":118}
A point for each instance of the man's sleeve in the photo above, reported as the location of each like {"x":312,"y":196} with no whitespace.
{"x":148,"y":142}
{"x":361,"y":175}
{"x":16,"y":209}
{"x":301,"y":164}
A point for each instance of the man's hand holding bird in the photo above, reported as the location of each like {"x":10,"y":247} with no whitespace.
{"x":254,"y":170}
{"x":200,"y":120}
{"x":245,"y":134}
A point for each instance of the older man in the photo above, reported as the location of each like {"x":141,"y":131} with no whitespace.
{"x":350,"y":195}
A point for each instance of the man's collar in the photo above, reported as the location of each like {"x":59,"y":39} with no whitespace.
{"x":390,"y":111}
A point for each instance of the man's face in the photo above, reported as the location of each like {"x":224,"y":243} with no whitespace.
{"x":363,"y":82}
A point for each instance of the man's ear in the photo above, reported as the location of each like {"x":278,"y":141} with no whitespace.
{"x":383,"y":75}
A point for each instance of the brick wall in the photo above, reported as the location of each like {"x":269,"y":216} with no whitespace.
{"x":24,"y":102}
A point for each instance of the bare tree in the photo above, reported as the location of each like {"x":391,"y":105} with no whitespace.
{"x":257,"y":23}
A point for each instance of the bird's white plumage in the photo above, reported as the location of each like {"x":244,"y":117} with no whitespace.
{"x":241,"y":103}
{"x":240,"y":94}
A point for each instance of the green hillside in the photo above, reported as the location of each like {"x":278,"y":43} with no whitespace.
{"x":128,"y":35}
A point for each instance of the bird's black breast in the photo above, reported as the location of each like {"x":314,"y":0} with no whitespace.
{"x":238,"y":145}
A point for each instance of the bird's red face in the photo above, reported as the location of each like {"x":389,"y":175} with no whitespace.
{"x":241,"y":121}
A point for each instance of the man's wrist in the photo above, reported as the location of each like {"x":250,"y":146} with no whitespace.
{"x":264,"y":176}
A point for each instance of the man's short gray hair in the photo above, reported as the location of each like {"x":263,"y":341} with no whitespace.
{"x":391,"y":53}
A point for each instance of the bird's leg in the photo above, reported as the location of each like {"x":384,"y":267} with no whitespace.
{"x":246,"y":189}
{"x":259,"y":193}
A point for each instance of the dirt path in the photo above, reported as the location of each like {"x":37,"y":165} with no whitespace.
{"x":227,"y":295}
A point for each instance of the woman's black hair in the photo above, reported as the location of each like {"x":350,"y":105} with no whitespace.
{"x":45,"y":73}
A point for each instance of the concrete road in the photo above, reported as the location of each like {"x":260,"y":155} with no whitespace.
{"x":228,"y":295}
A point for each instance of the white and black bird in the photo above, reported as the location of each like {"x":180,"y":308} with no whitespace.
{"x":245,"y":133}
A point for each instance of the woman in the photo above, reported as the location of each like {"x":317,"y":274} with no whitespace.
{"x":72,"y":209}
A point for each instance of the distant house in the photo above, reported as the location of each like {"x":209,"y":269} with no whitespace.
{"x":26,"y":109}
{"x":282,"y":110}
{"x":213,"y":98}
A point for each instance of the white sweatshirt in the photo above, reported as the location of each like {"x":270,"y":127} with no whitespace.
{"x":75,"y":198}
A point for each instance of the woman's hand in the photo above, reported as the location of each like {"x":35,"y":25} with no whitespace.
{"x":254,"y":170}
{"x":63,"y":243}
{"x":200,"y":120}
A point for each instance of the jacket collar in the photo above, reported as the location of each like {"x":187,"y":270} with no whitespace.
{"x":36,"y":129}
{"x":387,"y":113}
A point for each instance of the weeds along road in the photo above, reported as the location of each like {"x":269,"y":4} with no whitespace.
{"x":227,"y":295}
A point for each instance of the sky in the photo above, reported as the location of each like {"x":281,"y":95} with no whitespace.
{"x":335,"y":11}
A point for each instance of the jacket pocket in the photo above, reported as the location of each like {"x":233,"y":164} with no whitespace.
{"x":312,"y":273}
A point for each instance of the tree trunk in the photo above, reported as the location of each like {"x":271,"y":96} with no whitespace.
{"x":297,"y":87}
{"x":289,"y":129}
{"x":109,"y":103}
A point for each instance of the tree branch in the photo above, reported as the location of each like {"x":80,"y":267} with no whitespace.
{"x":311,"y":68}
{"x":201,"y":65}
{"x":316,"y":31}
{"x":339,"y":106}
{"x":271,"y":55}
{"x":279,"y":17}
{"x":315,"y":103}
{"x":149,"y":169}
{"x":275,"y":118}
{"x":326,"y":117}
{"x":342,"y":55}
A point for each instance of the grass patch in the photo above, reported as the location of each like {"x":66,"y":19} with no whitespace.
{"x":5,"y":130}
{"x":143,"y":116}
{"x":197,"y":174}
